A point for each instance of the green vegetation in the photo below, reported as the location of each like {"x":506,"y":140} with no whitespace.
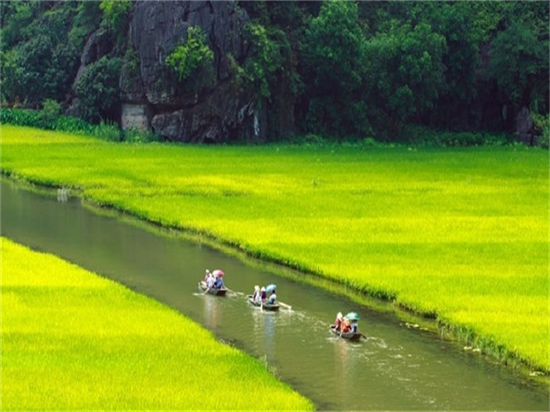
{"x":458,"y":234}
{"x":344,"y":70}
{"x":72,"y":340}
{"x":116,"y":14}
{"x":98,"y":91}
{"x":194,"y":54}
{"x":40,"y":49}
{"x":48,"y":119}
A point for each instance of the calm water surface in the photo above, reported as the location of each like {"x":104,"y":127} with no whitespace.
{"x":395,"y":369}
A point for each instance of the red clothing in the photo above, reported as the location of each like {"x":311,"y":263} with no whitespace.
{"x":346,"y":326}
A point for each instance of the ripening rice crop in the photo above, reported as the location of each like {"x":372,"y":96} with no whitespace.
{"x":460,"y":233}
{"x":72,"y":340}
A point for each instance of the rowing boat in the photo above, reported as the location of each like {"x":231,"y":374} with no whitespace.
{"x":265,"y":306}
{"x":347,"y":335}
{"x":212,"y":291}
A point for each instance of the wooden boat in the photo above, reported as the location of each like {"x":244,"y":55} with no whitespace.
{"x":348,"y":335}
{"x":265,"y":306}
{"x":212,"y":291}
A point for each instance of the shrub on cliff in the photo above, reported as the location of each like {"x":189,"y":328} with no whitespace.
{"x":193,"y":59}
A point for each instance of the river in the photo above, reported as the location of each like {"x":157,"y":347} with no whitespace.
{"x":396,"y":368}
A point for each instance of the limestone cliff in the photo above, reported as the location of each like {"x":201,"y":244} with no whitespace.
{"x":153,"y":97}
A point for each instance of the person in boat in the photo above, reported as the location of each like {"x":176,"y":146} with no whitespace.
{"x":263,"y":295}
{"x":218,"y":282}
{"x":346,"y":326}
{"x":353,"y":327}
{"x":256,"y":294}
{"x":338,"y":321}
{"x":207,"y":275}
{"x":272,"y":298}
{"x":210,"y":281}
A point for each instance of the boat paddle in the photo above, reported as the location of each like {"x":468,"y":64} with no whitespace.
{"x":285,"y":305}
{"x":207,"y":288}
{"x":233,"y":291}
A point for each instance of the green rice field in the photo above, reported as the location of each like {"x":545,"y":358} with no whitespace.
{"x":461,"y":234}
{"x":72,"y":340}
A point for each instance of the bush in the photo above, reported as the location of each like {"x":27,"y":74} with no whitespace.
{"x":20,"y":117}
{"x":192,"y":57}
{"x":73,"y":125}
{"x":51,"y":110}
{"x":107,"y":131}
{"x":423,"y":136}
{"x":116,"y":13}
{"x":544,"y":139}
{"x":49,"y":118}
{"x":45,"y":119}
{"x":542,"y":126}
{"x":139,"y":136}
{"x":98,"y":90}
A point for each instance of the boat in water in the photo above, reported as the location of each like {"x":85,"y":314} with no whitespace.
{"x":347,"y":335}
{"x":266,"y":306}
{"x":212,"y":291}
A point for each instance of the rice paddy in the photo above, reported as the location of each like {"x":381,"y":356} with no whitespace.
{"x":460,"y":234}
{"x":72,"y":340}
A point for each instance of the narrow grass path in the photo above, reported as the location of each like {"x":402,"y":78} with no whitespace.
{"x":72,"y":340}
{"x":459,"y":234}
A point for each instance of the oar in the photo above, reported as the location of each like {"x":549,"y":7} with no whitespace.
{"x":207,"y":288}
{"x":233,"y":291}
{"x":285,"y":305}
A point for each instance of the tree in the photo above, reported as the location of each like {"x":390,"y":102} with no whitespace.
{"x":98,"y":90}
{"x":37,"y":70}
{"x":336,"y":62}
{"x":456,"y":21}
{"x":115,"y":13}
{"x":268,"y":49}
{"x":519,"y":63}
{"x":405,"y":65}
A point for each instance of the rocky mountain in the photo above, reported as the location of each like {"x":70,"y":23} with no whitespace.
{"x":153,"y":97}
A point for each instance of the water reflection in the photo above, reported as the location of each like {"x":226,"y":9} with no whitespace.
{"x":342,"y":364}
{"x":264,"y":330}
{"x":62,"y":195}
{"x":213,"y":312}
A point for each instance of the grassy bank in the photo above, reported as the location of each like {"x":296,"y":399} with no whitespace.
{"x":461,"y":234}
{"x":74,"y":341}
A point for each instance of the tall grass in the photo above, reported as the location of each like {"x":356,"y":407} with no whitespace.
{"x":74,"y":341}
{"x":457,"y":233}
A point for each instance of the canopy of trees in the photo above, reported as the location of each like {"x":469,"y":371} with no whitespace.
{"x":342,"y":69}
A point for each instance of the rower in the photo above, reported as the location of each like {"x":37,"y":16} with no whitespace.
{"x":273,"y":298}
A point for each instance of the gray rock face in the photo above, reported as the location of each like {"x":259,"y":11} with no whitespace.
{"x":524,"y":127}
{"x":134,"y":116}
{"x":218,"y":113}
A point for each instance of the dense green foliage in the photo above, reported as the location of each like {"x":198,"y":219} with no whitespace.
{"x":49,"y":118}
{"x":192,"y":56}
{"x":84,"y":343}
{"x":116,"y":14}
{"x":460,"y":234}
{"x":40,"y":48}
{"x":340,"y":69}
{"x":97,"y":90}
{"x":406,"y":68}
{"x":337,"y":58}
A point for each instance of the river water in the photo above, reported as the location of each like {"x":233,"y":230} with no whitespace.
{"x":396,"y":368}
